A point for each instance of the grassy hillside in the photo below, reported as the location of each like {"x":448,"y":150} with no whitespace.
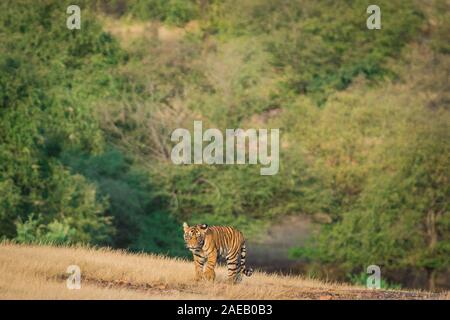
{"x":38,"y":272}
{"x":86,"y":117}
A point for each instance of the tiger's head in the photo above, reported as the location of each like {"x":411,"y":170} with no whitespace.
{"x":194,"y":236}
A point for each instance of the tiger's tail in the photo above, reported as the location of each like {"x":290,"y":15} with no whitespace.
{"x":247,"y":271}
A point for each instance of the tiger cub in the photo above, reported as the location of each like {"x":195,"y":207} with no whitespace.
{"x":207,"y":243}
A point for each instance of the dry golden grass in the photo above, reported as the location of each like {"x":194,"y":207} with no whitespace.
{"x":39,"y":272}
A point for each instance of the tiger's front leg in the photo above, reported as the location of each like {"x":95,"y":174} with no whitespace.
{"x":211,"y":261}
{"x":199,"y":262}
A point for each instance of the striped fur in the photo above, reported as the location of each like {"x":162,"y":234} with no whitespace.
{"x":208,"y":243}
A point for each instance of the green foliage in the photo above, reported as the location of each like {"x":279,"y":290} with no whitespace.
{"x":30,"y":231}
{"x":48,"y":74}
{"x":219,"y":195}
{"x":134,"y":202}
{"x":160,"y":233}
{"x":361,"y":280}
{"x":400,"y":219}
{"x":392,"y":183}
{"x":176,"y":12}
{"x":67,"y":199}
{"x":322,"y":46}
{"x":441,"y":36}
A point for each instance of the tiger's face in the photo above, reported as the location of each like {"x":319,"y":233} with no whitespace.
{"x":194,"y":236}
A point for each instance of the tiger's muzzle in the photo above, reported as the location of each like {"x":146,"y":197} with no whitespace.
{"x":196,"y":247}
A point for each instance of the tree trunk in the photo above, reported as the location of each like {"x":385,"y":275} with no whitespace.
{"x":431,"y":274}
{"x":432,"y":242}
{"x":431,"y":229}
{"x":203,"y":6}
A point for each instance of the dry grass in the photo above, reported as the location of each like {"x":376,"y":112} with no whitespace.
{"x":39,"y":272}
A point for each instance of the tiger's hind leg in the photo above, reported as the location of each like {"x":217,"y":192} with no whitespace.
{"x":234,"y":268}
{"x":245,"y":270}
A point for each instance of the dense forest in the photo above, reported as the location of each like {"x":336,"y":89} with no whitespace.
{"x":86,"y":117}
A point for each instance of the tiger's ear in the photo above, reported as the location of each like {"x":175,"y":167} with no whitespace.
{"x":185,"y":226}
{"x":204,"y":226}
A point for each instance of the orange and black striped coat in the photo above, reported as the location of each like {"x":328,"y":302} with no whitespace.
{"x":207,"y":243}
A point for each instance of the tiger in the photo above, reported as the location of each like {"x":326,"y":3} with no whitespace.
{"x":207,"y":243}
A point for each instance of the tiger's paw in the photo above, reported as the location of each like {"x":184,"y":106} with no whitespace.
{"x":198,"y":277}
{"x":232,"y":281}
{"x":209,"y":275}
